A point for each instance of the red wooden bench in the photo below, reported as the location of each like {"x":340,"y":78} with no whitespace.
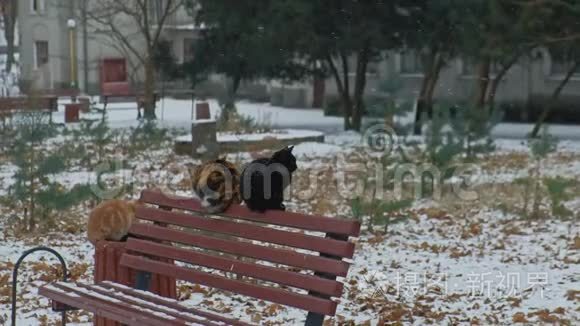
{"x":26,"y":103}
{"x":290,"y":259}
{"x":11,"y":105}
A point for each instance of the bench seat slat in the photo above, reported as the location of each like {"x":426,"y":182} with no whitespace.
{"x":288,"y":298}
{"x":63,"y":297}
{"x":293,"y":239}
{"x":131,"y":307}
{"x":117,"y":311}
{"x":246,"y":249}
{"x":296,"y":220}
{"x":239,"y":267}
{"x":148,"y":296}
{"x":155,"y":314}
{"x":179,"y":314}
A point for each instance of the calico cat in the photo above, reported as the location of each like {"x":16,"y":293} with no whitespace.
{"x":111,"y":220}
{"x":217,"y":184}
{"x":264,"y":180}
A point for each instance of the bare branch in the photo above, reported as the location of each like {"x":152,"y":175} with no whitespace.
{"x":171,"y":8}
{"x":109,"y":14}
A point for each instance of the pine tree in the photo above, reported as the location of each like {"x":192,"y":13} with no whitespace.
{"x":91,"y":140}
{"x":473,"y":127}
{"x":442,"y":144}
{"x":539,"y":150}
{"x":147,"y":136}
{"x":36,"y":162}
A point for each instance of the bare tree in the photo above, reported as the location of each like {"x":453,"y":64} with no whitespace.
{"x":9,"y":10}
{"x":136,"y":26}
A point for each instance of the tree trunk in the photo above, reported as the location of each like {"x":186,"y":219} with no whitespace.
{"x":230,"y":103}
{"x":544,"y":115}
{"x":149,"y":109}
{"x":347,"y":108}
{"x":498,"y":78}
{"x":422,"y":102}
{"x":493,"y":86}
{"x":32,"y":192}
{"x":10,"y":49}
{"x":10,"y":15}
{"x":359,"y":88}
{"x":346,"y":105}
{"x":482,"y":81}
{"x":235,"y":87}
{"x":318,"y":91}
{"x":340,"y":86}
{"x":437,"y":66}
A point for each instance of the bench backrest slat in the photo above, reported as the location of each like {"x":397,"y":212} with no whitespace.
{"x":300,"y":221}
{"x":24,"y":103}
{"x":245,"y":249}
{"x":248,"y":231}
{"x":277,"y":295}
{"x":262,"y":272}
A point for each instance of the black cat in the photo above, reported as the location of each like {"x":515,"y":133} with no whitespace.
{"x":263,"y":181}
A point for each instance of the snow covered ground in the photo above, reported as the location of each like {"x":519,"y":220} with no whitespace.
{"x":177,"y":114}
{"x":284,"y":134}
{"x":449,"y":262}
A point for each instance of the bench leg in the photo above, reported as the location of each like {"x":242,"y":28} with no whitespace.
{"x":314,"y":319}
{"x":142,"y":281}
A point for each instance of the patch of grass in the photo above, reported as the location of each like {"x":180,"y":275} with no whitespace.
{"x":558,"y":193}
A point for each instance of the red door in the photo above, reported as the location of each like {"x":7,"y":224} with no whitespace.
{"x":114,"y":79}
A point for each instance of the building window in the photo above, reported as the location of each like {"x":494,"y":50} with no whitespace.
{"x":155,"y":10}
{"x":36,"y":6}
{"x":40,"y":54}
{"x":411,"y":63}
{"x":188,"y":49}
{"x":470,"y":68}
{"x":561,"y":68}
{"x":372,"y":66}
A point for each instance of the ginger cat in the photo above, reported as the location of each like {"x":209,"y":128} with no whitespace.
{"x":111,"y":220}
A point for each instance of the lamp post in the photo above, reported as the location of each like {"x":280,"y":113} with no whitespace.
{"x":72,"y":24}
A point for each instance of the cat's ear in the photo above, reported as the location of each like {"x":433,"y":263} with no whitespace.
{"x":290,"y":148}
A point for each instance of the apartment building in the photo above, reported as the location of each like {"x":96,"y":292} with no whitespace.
{"x":53,"y":32}
{"x":62,"y":43}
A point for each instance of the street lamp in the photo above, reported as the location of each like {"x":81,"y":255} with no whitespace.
{"x":72,"y":24}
